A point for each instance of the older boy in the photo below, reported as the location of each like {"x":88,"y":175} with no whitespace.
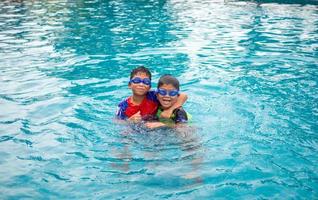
{"x":143,"y":103}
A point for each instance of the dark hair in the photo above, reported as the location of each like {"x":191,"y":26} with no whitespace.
{"x":168,"y":79}
{"x":140,"y":69}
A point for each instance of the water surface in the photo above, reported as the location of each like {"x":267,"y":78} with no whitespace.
{"x":249,"y":68}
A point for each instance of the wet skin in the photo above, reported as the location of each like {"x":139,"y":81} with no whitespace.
{"x":167,"y":101}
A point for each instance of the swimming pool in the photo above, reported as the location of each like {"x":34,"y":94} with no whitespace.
{"x":250,"y":70}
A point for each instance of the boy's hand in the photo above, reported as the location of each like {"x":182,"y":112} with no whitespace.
{"x":136,"y":117}
{"x":154,"y":124}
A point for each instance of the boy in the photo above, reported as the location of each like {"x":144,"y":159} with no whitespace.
{"x":143,"y":103}
{"x":167,"y":94}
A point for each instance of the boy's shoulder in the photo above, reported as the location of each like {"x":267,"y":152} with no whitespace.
{"x":124,"y":102}
{"x":122,"y":106}
{"x":151,"y":95}
{"x":180,"y":115}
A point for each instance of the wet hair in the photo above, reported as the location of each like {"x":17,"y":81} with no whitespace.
{"x":168,"y":79}
{"x":140,"y":69}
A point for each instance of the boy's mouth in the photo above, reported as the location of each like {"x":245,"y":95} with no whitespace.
{"x":166,"y":101}
{"x":141,"y":90}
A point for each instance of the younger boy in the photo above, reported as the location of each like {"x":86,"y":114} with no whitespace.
{"x":167,"y":94}
{"x":143,"y":103}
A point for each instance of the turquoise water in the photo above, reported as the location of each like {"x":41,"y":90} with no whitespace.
{"x":250,"y":71}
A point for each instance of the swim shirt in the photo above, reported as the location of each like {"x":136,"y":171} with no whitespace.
{"x":147,"y":108}
{"x":179,"y":115}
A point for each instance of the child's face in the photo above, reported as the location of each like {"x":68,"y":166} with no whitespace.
{"x":139,"y":89}
{"x":167,"y":101}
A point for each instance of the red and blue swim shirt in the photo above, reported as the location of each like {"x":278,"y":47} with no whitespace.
{"x":148,"y":107}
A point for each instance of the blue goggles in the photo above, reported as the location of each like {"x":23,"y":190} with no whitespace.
{"x":164,"y":92}
{"x":138,"y":80}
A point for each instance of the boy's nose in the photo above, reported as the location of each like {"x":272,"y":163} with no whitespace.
{"x":141,"y":83}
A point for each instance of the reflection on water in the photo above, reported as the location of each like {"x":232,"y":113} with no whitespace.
{"x":249,"y":68}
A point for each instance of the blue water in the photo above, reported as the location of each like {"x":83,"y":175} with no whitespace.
{"x":249,"y":68}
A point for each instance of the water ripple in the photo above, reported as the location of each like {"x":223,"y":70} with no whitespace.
{"x":249,"y":69}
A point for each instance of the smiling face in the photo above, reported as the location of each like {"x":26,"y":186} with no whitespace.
{"x":167,"y":101}
{"x":139,"y":89}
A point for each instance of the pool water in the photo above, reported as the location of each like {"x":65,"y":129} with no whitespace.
{"x":249,"y":68}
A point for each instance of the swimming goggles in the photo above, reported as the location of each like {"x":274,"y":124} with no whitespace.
{"x":137,"y":80}
{"x":164,"y":92}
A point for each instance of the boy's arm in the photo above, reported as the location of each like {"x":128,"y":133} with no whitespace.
{"x":120,"y":113}
{"x":156,"y":124}
{"x":153,"y":125}
{"x":182,"y":98}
